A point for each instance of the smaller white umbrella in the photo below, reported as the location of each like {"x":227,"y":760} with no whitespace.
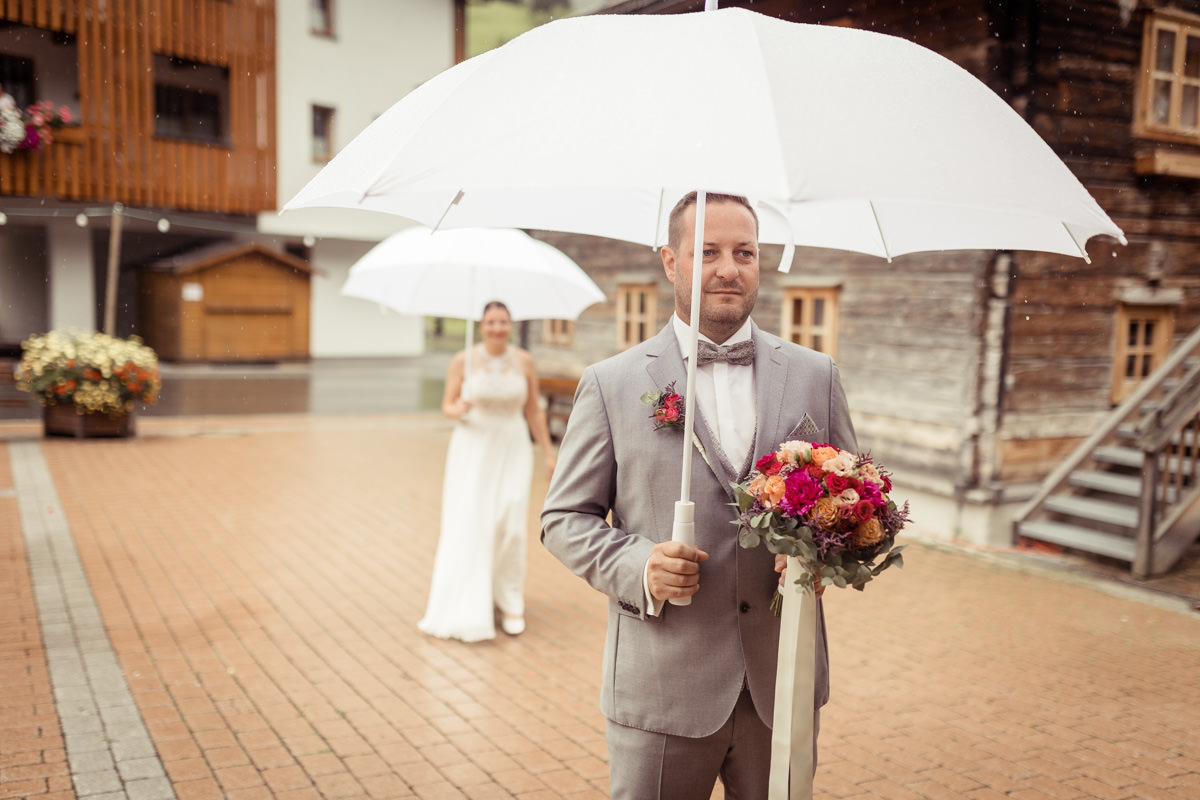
{"x":455,"y":273}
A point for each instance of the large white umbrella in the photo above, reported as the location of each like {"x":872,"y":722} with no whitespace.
{"x":844,"y":138}
{"x":454,"y":273}
{"x":861,"y":141}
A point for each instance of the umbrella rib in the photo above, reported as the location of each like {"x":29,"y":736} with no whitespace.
{"x":457,"y":197}
{"x":1082,"y":252}
{"x":879,"y":227}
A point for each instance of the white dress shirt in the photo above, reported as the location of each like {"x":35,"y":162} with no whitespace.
{"x":726,"y":398}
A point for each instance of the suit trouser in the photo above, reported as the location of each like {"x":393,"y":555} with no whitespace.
{"x":657,"y":766}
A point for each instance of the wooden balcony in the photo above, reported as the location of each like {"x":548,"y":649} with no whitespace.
{"x":119,"y":152}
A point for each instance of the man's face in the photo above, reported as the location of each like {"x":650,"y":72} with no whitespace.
{"x":729,"y":278}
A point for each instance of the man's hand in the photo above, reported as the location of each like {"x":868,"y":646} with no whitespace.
{"x":674,"y":570}
{"x":781,"y":568}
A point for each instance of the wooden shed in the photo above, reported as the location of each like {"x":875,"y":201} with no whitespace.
{"x":228,"y":302}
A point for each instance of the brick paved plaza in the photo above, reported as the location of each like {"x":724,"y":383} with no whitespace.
{"x":227,"y":607}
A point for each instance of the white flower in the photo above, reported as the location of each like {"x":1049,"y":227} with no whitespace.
{"x":12,"y":130}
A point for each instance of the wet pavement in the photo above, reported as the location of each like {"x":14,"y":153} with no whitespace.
{"x":225,"y":606}
{"x":319,"y":386}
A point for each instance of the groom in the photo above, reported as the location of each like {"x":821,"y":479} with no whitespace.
{"x":689,"y":690}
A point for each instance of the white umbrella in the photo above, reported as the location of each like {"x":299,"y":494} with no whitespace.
{"x":846,"y":139}
{"x":861,"y":141}
{"x":454,"y":273}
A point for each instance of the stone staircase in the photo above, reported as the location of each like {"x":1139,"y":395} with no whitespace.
{"x":1129,"y":491}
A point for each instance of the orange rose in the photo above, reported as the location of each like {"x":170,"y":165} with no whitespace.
{"x":822,"y":454}
{"x":868,"y":533}
{"x":769,"y":489}
{"x":824,"y":513}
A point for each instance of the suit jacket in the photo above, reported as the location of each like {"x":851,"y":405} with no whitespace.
{"x":681,"y":673}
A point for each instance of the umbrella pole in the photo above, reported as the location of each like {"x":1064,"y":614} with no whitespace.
{"x":684,"y":528}
{"x":469,"y":338}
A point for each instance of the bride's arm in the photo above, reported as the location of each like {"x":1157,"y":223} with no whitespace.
{"x":535,"y":416}
{"x":453,"y":405}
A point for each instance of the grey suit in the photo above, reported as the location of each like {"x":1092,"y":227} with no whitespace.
{"x":680,"y":673}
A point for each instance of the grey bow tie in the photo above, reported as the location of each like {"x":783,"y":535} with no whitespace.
{"x":741,"y":354}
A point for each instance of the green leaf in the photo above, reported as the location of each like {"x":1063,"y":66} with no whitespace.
{"x":650,"y":397}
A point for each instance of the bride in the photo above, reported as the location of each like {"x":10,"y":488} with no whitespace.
{"x":492,"y":390}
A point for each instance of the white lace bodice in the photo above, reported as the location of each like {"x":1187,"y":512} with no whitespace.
{"x":495,"y":385}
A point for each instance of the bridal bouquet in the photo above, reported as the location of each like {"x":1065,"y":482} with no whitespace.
{"x":827,"y":507}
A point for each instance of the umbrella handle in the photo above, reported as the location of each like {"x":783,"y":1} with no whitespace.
{"x":684,"y":530}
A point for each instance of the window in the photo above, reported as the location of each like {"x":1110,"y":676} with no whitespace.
{"x":16,"y":77}
{"x":190,"y":99}
{"x":322,"y":129}
{"x":810,"y":317}
{"x":559,"y":332}
{"x":320,"y":17}
{"x":1142,"y":342}
{"x":1170,"y":87}
{"x":635,"y":313}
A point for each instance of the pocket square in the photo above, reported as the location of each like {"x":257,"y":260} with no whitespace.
{"x":806,"y":431}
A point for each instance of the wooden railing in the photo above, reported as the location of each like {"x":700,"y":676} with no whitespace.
{"x":1162,"y":419}
{"x":54,"y":171}
{"x":1169,"y":510}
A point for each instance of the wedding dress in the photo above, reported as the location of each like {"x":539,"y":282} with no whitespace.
{"x":480,"y":561}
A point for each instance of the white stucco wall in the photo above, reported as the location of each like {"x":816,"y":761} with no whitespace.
{"x":70,"y":280}
{"x":23,"y":307}
{"x":380,"y":51}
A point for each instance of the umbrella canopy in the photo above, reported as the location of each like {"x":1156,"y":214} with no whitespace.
{"x":845,"y":138}
{"x":454,"y":273}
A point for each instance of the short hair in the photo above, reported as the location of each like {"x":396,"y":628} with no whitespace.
{"x":675,"y":223}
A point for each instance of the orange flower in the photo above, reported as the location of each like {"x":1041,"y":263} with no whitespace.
{"x":824,"y":513}
{"x":768,"y":489}
{"x":822,"y":454}
{"x":868,"y":533}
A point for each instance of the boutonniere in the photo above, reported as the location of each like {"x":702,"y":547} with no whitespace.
{"x":668,"y":407}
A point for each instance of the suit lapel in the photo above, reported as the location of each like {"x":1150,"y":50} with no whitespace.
{"x":770,"y":385}
{"x":665,"y":364}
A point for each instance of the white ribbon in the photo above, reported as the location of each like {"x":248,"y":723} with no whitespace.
{"x":795,"y":679}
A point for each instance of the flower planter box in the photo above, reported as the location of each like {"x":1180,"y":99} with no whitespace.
{"x":64,"y":421}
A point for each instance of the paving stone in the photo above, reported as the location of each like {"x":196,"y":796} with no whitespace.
{"x":254,"y":585}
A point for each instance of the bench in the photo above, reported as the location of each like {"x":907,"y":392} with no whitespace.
{"x":559,"y":393}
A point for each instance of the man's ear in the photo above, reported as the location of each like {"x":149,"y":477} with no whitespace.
{"x":668,"y":260}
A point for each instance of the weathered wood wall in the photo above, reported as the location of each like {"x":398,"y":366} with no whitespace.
{"x":977,"y":371}
{"x":114,"y":154}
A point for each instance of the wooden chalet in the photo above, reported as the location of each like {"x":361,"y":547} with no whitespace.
{"x":174,"y":103}
{"x":1016,"y":395}
{"x":170,"y":146}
